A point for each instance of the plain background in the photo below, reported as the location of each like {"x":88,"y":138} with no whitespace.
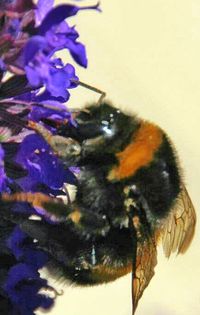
{"x":145,"y":55}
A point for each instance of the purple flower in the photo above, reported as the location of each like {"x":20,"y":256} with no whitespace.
{"x":60,"y":13}
{"x":18,"y":28}
{"x":59,"y":35}
{"x":24,"y":249}
{"x":43,"y":167}
{"x":22,"y":286}
{"x":23,"y":282}
{"x":62,"y":36}
{"x":43,"y":71}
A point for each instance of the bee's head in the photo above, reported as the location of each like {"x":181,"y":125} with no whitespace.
{"x":104,"y":129}
{"x":99,"y":120}
{"x":101,"y":131}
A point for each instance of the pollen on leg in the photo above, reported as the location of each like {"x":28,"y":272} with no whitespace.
{"x":75,"y":216}
{"x":61,"y":146}
{"x":45,"y":133}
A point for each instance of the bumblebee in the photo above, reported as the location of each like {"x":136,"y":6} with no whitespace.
{"x":130,"y":197}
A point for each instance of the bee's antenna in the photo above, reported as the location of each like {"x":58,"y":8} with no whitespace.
{"x":92,"y":88}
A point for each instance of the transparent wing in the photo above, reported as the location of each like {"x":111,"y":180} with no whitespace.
{"x":178,"y":231}
{"x":146,"y":261}
{"x":176,"y":235}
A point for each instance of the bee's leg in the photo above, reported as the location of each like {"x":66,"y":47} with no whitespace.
{"x":44,"y":204}
{"x":92,"y":88}
{"x":84,"y":221}
{"x":67,"y":149}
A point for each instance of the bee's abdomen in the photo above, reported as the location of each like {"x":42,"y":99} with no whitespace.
{"x":87,"y":262}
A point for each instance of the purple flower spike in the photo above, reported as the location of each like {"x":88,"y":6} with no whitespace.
{"x":30,"y":36}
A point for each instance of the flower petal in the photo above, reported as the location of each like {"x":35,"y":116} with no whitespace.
{"x":34,"y":155}
{"x":35,"y":44}
{"x":60,"y":13}
{"x":77,"y":50}
{"x":43,"y":7}
{"x":56,"y":16}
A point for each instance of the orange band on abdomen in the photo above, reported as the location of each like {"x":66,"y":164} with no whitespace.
{"x":138,"y":153}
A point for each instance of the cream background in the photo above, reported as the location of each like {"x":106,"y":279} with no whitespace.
{"x":145,"y":55}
